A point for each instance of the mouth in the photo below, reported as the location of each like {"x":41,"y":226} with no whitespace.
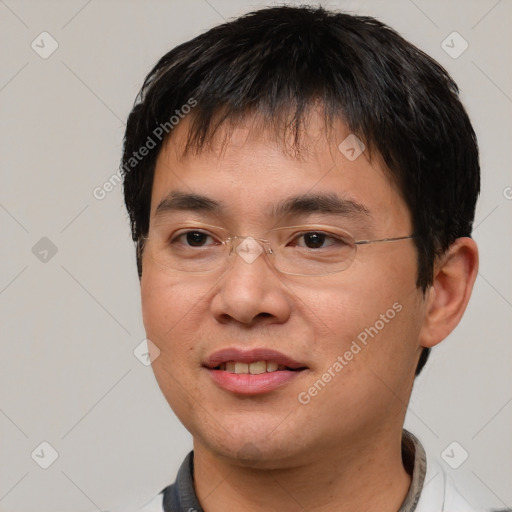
{"x":255,"y":368}
{"x":251,"y":372}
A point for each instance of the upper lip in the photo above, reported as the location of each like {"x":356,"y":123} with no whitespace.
{"x":251,"y":356}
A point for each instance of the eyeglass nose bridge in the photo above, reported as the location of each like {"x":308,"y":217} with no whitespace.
{"x":248,"y":247}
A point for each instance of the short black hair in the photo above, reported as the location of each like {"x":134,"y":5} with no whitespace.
{"x":281,"y":61}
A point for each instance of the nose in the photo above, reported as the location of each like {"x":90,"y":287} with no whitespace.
{"x":251,"y":291}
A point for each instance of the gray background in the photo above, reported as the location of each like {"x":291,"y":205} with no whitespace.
{"x":71,"y":322}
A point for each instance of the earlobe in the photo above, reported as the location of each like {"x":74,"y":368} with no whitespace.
{"x":447,"y":298}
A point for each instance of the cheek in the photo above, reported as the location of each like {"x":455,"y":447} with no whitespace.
{"x":343,"y":310}
{"x":172,"y":310}
{"x":172,"y":314}
{"x":365,"y":363}
{"x":167,"y":300}
{"x":371,"y":313}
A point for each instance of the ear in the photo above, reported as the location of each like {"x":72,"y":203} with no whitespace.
{"x":454,"y":275}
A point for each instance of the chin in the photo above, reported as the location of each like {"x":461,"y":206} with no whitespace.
{"x":254,"y":448}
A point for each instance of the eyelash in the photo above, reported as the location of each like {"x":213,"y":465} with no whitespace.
{"x":295,"y":237}
{"x":185,"y":233}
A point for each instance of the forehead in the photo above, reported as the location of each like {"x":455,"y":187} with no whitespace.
{"x":257,"y":169}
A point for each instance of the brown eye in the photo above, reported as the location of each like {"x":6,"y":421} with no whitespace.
{"x":314,"y":240}
{"x":195,"y":238}
{"x":191,"y":238}
{"x":318,"y":240}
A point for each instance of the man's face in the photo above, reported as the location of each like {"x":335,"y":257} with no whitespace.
{"x":354,"y":334}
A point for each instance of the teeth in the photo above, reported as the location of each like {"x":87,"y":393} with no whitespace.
{"x":241,"y":368}
{"x":272,"y":366}
{"x":256,"y":368}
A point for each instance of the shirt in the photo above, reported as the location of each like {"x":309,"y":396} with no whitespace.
{"x":431,"y":490}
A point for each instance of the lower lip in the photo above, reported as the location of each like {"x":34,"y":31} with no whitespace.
{"x":247,"y":384}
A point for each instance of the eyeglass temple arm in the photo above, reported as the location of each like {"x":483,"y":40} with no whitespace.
{"x":394,"y":239}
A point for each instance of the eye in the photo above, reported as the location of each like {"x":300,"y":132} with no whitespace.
{"x":192,"y":238}
{"x":319,"y":240}
{"x":315,"y":240}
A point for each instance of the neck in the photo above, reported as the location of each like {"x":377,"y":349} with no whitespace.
{"x":367,"y":476}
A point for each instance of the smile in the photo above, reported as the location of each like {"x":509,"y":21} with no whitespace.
{"x":251,"y":372}
{"x":255,"y":368}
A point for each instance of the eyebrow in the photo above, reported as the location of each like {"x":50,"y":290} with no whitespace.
{"x":180,"y":201}
{"x":321,"y":203}
{"x":301,"y":204}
